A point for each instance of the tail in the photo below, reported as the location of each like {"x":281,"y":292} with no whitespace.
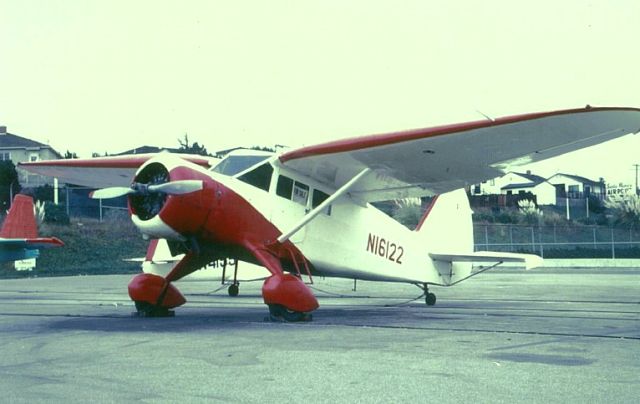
{"x":20,"y":221}
{"x":446,"y":228}
{"x":446,"y":224}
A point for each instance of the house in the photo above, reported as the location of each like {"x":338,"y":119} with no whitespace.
{"x":547,"y":191}
{"x":149,"y":149}
{"x":19,"y":149}
{"x":576,"y":187}
{"x":513,"y":183}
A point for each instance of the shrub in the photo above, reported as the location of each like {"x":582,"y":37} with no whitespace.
{"x":529,"y":211}
{"x":625,"y":211}
{"x":55,"y":213}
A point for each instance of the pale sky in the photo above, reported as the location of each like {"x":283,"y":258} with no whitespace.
{"x":95,"y":76}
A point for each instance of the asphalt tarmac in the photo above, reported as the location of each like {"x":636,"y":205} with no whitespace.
{"x":546,"y":335}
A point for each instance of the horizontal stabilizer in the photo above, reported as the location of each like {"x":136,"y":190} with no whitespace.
{"x":529,"y":260}
{"x":39,"y":242}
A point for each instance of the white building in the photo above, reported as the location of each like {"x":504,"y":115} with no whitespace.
{"x":576,"y":187}
{"x":513,"y":183}
{"x":546,"y":190}
{"x":19,"y":149}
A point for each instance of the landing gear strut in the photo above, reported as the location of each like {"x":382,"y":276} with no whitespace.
{"x":234,"y":288}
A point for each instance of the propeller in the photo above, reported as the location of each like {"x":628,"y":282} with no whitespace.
{"x":172,"y":188}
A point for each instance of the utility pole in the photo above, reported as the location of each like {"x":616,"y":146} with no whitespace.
{"x":636,"y":166}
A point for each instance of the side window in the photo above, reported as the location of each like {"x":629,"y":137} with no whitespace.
{"x":319,"y":197}
{"x":259,"y":177}
{"x":300,"y":193}
{"x":292,"y":190}
{"x":284,"y":187}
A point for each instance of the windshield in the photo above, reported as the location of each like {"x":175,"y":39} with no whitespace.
{"x":232,"y":165}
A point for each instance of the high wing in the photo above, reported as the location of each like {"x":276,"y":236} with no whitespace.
{"x":101,"y":172}
{"x":440,"y":159}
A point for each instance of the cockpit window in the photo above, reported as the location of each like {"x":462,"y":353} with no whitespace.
{"x":259,"y":177}
{"x":233,"y":165}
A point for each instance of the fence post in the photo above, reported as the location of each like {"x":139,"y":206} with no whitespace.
{"x":533,"y":240}
{"x":511,"y":237}
{"x":613,"y":246}
{"x":486,"y":237}
{"x":100,"y":207}
{"x":67,"y":201}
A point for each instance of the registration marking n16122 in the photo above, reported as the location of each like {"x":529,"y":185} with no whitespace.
{"x":385,"y":248}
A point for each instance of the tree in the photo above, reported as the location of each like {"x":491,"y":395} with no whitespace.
{"x":70,"y":155}
{"x":263,"y":148}
{"x":9,"y":183}
{"x":194,"y":148}
{"x":625,"y":211}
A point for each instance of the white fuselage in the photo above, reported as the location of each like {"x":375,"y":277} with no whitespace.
{"x":355,"y":240}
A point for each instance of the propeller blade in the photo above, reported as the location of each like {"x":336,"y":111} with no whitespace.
{"x":177,"y":187}
{"x":113,"y":192}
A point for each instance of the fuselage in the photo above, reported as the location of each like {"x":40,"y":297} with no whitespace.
{"x":348,"y":239}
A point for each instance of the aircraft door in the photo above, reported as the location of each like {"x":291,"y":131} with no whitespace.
{"x":291,"y":201}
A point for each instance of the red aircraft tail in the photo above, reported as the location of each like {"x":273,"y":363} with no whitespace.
{"x":20,"y":221}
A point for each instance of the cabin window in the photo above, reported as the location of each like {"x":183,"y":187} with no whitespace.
{"x":300,"y":193}
{"x":285,"y":187}
{"x":292,"y":190}
{"x":319,"y":197}
{"x":233,"y":165}
{"x":259,"y":177}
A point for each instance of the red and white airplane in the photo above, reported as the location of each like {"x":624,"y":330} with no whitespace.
{"x":19,"y":238}
{"x":308,"y":211}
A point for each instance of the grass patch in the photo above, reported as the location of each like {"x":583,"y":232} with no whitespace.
{"x":91,"y":248}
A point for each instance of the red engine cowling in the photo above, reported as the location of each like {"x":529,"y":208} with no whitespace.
{"x":171,"y":216}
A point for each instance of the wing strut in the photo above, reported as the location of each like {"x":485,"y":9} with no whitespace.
{"x":311,"y":215}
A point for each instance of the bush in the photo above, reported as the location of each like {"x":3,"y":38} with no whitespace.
{"x":408,"y":215}
{"x":55,"y":214}
{"x":626,"y":211}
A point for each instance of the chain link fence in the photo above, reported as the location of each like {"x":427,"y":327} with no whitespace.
{"x":559,"y":241}
{"x":77,"y":204}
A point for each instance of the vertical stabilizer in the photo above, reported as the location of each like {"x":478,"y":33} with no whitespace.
{"x":20,"y":221}
{"x":446,"y":227}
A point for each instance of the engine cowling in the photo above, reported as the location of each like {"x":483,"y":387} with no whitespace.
{"x":174,"y":217}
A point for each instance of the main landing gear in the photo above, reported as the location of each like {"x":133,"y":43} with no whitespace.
{"x":278,"y":313}
{"x":145,"y":309}
{"x":154,"y":296}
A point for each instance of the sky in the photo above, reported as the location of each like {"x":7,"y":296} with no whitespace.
{"x":107,"y":76}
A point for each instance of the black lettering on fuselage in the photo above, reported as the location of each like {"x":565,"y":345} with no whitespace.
{"x":384,"y":248}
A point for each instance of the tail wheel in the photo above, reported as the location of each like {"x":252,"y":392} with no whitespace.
{"x":430,"y":299}
{"x":234,"y":289}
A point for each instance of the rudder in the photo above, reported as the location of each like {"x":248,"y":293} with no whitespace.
{"x":447,"y":227}
{"x":20,"y":221}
